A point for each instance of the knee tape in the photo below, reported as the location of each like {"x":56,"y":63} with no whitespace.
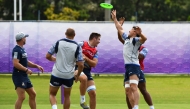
{"x":82,"y":73}
{"x":93,"y":87}
{"x":127,"y":85}
{"x":133,"y":82}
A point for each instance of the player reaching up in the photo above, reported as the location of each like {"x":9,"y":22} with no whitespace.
{"x":130,"y":55}
{"x":142,"y":81}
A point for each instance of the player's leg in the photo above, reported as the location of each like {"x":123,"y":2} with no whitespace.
{"x":67,"y":83}
{"x":129,"y":96}
{"x":128,"y":103}
{"x":55,"y":83}
{"x":142,"y":88}
{"x":91,"y":89}
{"x":52,"y":94}
{"x":82,"y":87}
{"x":32,"y":97}
{"x":134,"y":88}
{"x":21,"y":96}
{"x":146,"y":95}
{"x":67,"y":93}
{"x":32,"y":94}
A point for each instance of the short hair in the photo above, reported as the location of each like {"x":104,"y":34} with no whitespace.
{"x":70,"y":32}
{"x":94,"y":35}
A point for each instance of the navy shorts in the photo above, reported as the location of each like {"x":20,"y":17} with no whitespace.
{"x":87,"y":72}
{"x":131,"y":69}
{"x":55,"y":81}
{"x":142,"y":77}
{"x":21,"y":81}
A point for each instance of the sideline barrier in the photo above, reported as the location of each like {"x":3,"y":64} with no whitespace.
{"x":168,"y":44}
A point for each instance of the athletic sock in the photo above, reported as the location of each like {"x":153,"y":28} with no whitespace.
{"x":136,"y":107}
{"x":151,"y":107}
{"x":54,"y":106}
{"x":82,"y":98}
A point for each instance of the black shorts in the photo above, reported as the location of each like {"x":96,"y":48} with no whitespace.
{"x":142,"y":77}
{"x":87,"y":72}
{"x":21,"y":81}
{"x":131,"y":70}
{"x":56,"y":81}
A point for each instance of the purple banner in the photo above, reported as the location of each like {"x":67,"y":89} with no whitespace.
{"x":168,"y":45}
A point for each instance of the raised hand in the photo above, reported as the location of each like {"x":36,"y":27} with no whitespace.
{"x":138,"y":30}
{"x":113,"y":14}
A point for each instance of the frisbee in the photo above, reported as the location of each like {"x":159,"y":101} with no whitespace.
{"x":106,"y":5}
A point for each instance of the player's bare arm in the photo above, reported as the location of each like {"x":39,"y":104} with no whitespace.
{"x":17,"y":65}
{"x":141,"y":56}
{"x":143,"y":38}
{"x":121,"y":21}
{"x":117,"y":24}
{"x":50,"y":57}
{"x":90,"y":62}
{"x":80,"y":65}
{"x":32,"y":65}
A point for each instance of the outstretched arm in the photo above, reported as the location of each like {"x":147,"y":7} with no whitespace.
{"x":31,"y":64}
{"x":117,"y":25}
{"x":121,"y":21}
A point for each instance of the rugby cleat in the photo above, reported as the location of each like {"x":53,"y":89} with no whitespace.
{"x":84,"y":105}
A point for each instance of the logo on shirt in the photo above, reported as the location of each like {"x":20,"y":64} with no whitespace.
{"x":24,"y":55}
{"x":126,"y":42}
{"x":23,"y":84}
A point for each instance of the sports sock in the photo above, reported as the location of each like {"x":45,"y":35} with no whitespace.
{"x":136,"y":107}
{"x":151,"y":107}
{"x":82,"y":98}
{"x":54,"y":106}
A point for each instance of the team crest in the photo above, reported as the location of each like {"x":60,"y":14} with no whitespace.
{"x":23,"y":84}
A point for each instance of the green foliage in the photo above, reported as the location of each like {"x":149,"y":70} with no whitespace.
{"x":89,"y":10}
{"x":65,"y":14}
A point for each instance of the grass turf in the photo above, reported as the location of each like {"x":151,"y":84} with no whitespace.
{"x":168,"y":92}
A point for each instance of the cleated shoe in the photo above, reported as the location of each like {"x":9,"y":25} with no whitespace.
{"x":84,"y":105}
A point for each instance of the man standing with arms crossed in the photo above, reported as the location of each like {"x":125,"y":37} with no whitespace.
{"x":20,"y":73}
{"x":130,"y":54}
{"x":90,"y":55}
{"x":142,"y":81}
{"x":68,"y":53}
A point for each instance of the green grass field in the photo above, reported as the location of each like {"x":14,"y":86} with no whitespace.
{"x":168,"y":92}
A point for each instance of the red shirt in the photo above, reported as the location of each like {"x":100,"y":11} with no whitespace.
{"x":88,"y":51}
{"x":141,"y":61}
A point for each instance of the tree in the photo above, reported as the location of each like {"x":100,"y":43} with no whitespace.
{"x":65,"y":14}
{"x":30,"y":9}
{"x":161,"y":10}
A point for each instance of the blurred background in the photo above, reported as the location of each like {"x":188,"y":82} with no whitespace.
{"x":164,"y":22}
{"x":90,"y":10}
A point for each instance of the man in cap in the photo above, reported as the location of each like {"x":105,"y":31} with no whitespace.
{"x":20,"y":72}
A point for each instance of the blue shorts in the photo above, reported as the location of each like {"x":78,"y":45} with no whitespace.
{"x":55,"y":81}
{"x":21,"y":81}
{"x":87,"y":72}
{"x":142,"y":77}
{"x":131,"y":69}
